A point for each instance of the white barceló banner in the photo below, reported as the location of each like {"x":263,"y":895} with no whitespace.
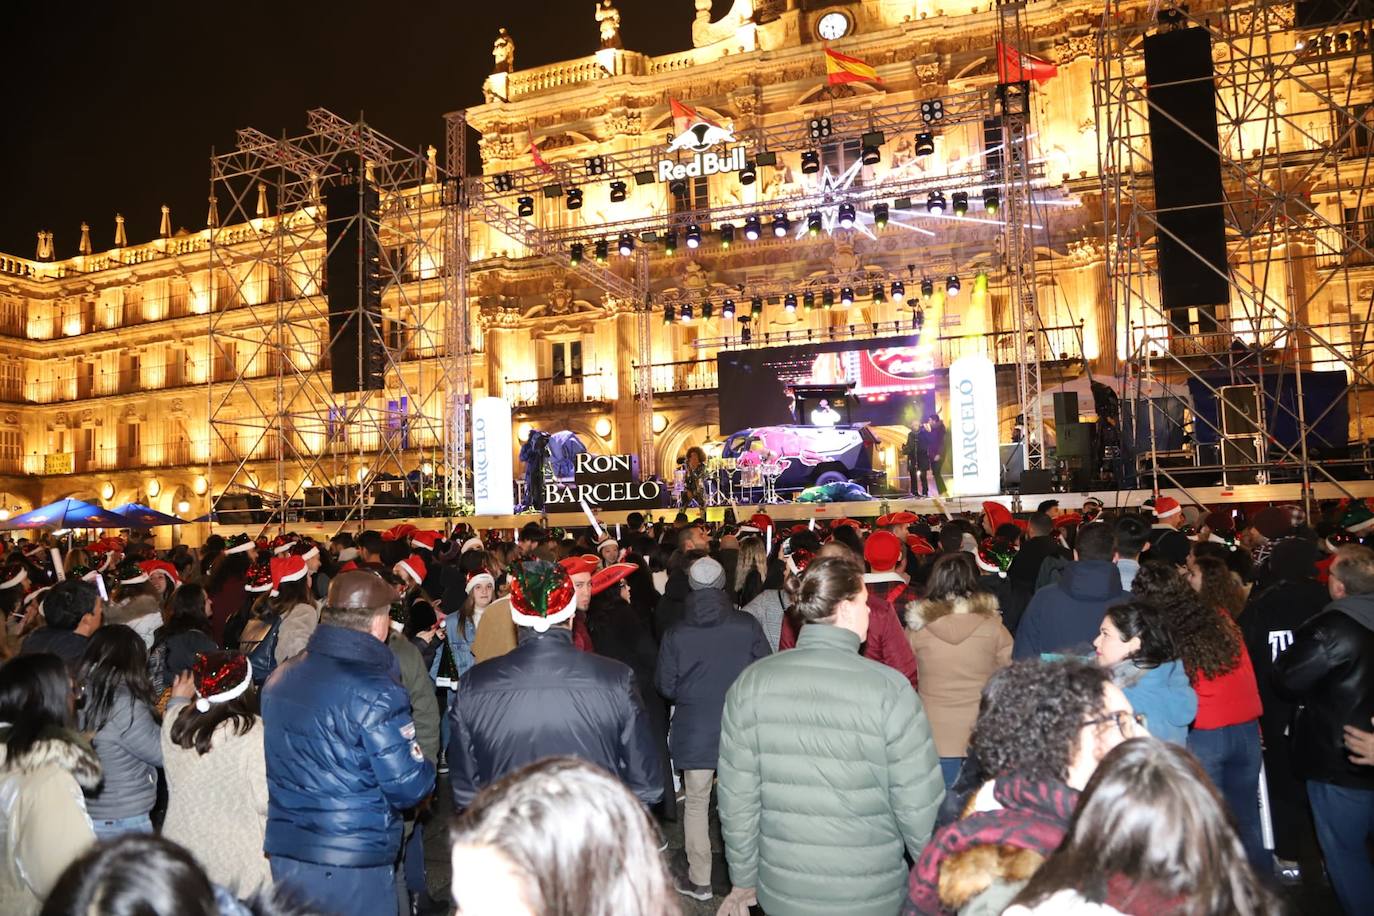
{"x":976,"y":468}
{"x":492,"y":475}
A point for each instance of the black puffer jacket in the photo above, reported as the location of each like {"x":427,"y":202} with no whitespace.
{"x":697,"y":662}
{"x":1329,"y":673}
{"x":546,"y":698}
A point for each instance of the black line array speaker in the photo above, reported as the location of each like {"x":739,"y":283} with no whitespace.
{"x":353,"y":286}
{"x":1187,"y":171}
{"x":1065,"y":408}
{"x":1240,"y":410}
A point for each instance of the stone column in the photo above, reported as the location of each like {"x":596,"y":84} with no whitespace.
{"x":626,"y":355}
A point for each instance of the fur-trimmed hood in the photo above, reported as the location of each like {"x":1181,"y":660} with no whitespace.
{"x":57,"y":747}
{"x":921,"y":613}
{"x":967,"y":874}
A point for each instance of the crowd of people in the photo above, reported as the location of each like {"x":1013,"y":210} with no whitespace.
{"x":1153,"y":711}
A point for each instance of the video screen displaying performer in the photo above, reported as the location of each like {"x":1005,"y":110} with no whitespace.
{"x":826,"y":384}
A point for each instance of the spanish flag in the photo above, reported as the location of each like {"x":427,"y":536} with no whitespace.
{"x":841,"y":68}
{"x":684,"y":116}
{"x":1017,"y":66}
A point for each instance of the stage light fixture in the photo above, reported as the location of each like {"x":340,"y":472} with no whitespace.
{"x":524,"y":206}
{"x":752,"y":229}
{"x":932,"y":110}
{"x":678,"y":187}
{"x":880,"y":215}
{"x":991,"y":200}
{"x":574,"y":198}
{"x":847,"y":214}
{"x":601,"y":250}
{"x":846,"y":295}
{"x":596,"y":165}
{"x":727,"y":235}
{"x":959,"y":203}
{"x":820,"y":128}
{"x":575,"y":252}
{"x":808,"y":301}
{"x":952,"y":285}
{"x":935,"y":203}
{"x":781,"y":224}
{"x":927,"y":288}
{"x":686,"y":313}
{"x":618,"y":192}
{"x":708,"y":310}
{"x":727,"y":310}
{"x":693,"y":236}
{"x":879,"y":296}
{"x":749,"y":174}
{"x":789,"y":303}
{"x":670,"y":242}
{"x":925,"y":143}
{"x":503,"y":182}
{"x":898,"y":290}
{"x":827,"y":298}
{"x":810,"y":162}
{"x":668,"y":314}
{"x":627,"y":244}
{"x":870,"y":155}
{"x":756,"y":306}
{"x":813,"y":222}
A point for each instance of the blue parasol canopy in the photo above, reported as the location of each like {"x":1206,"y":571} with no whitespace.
{"x":140,"y":516}
{"x":67,"y":513}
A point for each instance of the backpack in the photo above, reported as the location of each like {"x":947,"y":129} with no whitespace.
{"x":262,"y":655}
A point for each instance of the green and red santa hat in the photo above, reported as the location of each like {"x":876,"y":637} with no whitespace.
{"x":1358,"y":519}
{"x":220,"y":677}
{"x":541,"y":595}
{"x":239,"y":543}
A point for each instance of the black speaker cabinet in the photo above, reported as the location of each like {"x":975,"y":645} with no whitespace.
{"x":1065,"y":408}
{"x":1041,"y":481}
{"x":1073,"y":440}
{"x":1240,"y":410}
{"x":353,"y":288}
{"x":1240,"y":451}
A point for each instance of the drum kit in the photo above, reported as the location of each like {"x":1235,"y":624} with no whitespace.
{"x":733,"y":481}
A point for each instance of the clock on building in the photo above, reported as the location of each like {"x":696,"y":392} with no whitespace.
{"x":833,"y":25}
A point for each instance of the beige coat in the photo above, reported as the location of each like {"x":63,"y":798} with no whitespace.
{"x":43,"y":817}
{"x":217,"y":803}
{"x":959,"y":644}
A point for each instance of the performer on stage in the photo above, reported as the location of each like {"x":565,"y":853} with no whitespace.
{"x":917,"y":459}
{"x":824,"y":414}
{"x":694,"y":483}
{"x":932,"y":436}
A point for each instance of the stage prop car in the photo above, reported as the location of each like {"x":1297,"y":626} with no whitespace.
{"x":805,"y":456}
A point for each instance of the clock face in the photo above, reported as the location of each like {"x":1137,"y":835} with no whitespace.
{"x":832,"y":26}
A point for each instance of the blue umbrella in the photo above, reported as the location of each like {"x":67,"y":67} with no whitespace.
{"x":140,"y":516}
{"x":67,"y":513}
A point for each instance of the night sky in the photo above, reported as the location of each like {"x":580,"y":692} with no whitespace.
{"x":115,"y":107}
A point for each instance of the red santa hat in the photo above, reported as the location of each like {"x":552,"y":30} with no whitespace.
{"x":478,"y":577}
{"x":18,"y":575}
{"x":998,"y":515}
{"x":286,"y":569}
{"x":259,"y":578}
{"x":1166,"y":506}
{"x":796,"y":561}
{"x":473,"y":543}
{"x":398,"y":532}
{"x":425,"y":540}
{"x":220,"y":677}
{"x":282,"y":543}
{"x":306,"y":549}
{"x":162,"y":568}
{"x":412,"y":567}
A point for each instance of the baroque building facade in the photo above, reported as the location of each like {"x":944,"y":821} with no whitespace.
{"x":110,"y":370}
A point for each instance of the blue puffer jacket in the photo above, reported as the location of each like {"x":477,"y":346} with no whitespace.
{"x":342,"y":761}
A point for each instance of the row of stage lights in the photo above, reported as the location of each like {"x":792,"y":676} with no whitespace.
{"x":781,"y":225}
{"x":870,"y":153}
{"x":808,"y":300}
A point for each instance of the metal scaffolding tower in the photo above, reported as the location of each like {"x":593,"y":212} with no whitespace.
{"x":279,"y":433}
{"x":1295,"y":132}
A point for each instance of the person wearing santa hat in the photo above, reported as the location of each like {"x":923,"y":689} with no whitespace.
{"x":136,"y":602}
{"x":545,"y":699}
{"x":338,"y":730}
{"x":580,"y":569}
{"x":608,"y":550}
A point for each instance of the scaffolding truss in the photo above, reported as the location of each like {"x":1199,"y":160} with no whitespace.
{"x":278,"y":432}
{"x":1295,"y":133}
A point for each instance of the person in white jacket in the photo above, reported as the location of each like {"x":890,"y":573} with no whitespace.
{"x":44,"y":766}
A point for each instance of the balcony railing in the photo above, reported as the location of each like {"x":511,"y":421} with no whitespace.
{"x":684,"y":375}
{"x":549,"y":392}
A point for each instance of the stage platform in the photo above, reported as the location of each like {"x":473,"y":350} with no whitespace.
{"x":865,"y":510}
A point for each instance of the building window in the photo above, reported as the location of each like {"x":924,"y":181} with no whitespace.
{"x":1358,"y":223}
{"x":839,"y":157}
{"x":11,"y":451}
{"x":1354,"y":127}
{"x":690,"y":194}
{"x":566,"y":362}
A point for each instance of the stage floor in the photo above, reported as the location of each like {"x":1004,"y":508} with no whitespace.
{"x":867,"y":509}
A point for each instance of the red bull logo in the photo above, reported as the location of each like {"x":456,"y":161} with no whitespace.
{"x":698,"y":139}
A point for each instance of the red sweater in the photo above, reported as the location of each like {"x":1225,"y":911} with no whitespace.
{"x":886,"y":641}
{"x":1229,"y":699}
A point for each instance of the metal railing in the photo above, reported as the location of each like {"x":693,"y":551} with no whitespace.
{"x":560,"y":390}
{"x":682,"y":375}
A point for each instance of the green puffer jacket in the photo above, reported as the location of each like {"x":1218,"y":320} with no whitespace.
{"x":827,"y":768}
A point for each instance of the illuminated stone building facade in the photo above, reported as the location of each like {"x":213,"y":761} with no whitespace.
{"x":107,"y":358}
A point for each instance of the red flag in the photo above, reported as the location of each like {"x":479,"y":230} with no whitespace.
{"x":684,"y":116}
{"x":538,"y":159}
{"x":1017,"y":66}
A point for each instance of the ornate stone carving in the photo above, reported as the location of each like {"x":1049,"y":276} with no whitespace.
{"x":608,"y":24}
{"x":626,"y":124}
{"x":929,"y":74}
{"x":1072,"y":47}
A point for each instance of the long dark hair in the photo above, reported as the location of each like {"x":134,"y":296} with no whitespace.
{"x":1151,"y":816}
{"x":954,"y":575}
{"x":608,"y":864}
{"x":115,"y":659}
{"x":35,"y":696}
{"x":185,"y":612}
{"x":289,"y":594}
{"x":1219,"y":588}
{"x":1140,"y":618}
{"x":227,"y":566}
{"x":193,"y":728}
{"x":1208,"y":642}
